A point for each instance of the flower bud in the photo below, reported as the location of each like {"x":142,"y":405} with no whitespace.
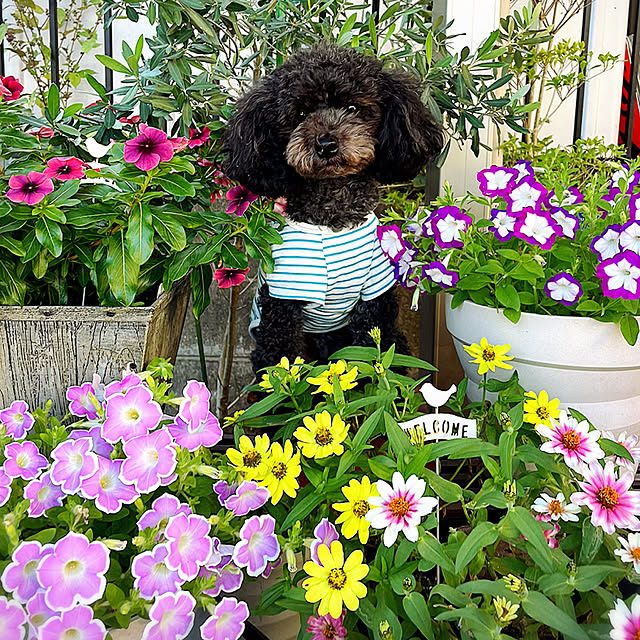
{"x":138,"y":541}
{"x":125,"y":608}
{"x":510,"y":490}
{"x":515,"y":584}
{"x":292,"y":563}
{"x":210,"y":472}
{"x":505,"y":421}
{"x":376,"y":335}
{"x":505,"y":610}
{"x":386,"y":632}
{"x":380,"y":370}
{"x":115,"y":545}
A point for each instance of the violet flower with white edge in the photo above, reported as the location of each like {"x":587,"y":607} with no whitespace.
{"x":524,"y":169}
{"x":80,"y":402}
{"x":133,"y":414}
{"x":227,"y":621}
{"x":556,"y":508}
{"x":73,"y":462}
{"x":625,"y":622}
{"x":194,"y":408}
{"x":42,"y":495}
{"x":100,"y":446}
{"x":611,"y":502}
{"x":130,"y":381}
{"x":324,"y":533}
{"x":503,"y":224}
{"x":607,"y":244}
{"x":448,"y":224}
{"x":629,"y":180}
{"x":149,"y":459}
{"x":630,"y":551}
{"x":23,"y":460}
{"x":529,"y":194}
{"x":630,"y":443}
{"x":619,"y":276}
{"x":228,"y":576}
{"x":188,"y":543}
{"x":224,"y":490}
{"x":19,"y":576}
{"x":497,"y":181}
{"x":563,"y":288}
{"x":258,"y":544}
{"x":171,"y":617}
{"x":570,"y":196}
{"x":634,"y":207}
{"x":38,"y":612}
{"x":207,"y":434}
{"x":390,"y":238}
{"x":17,"y":420}
{"x":248,"y":497}
{"x":78,"y":623}
{"x":152,"y":575}
{"x":400,"y":507}
{"x":74,"y":572}
{"x":568,"y":223}
{"x":537,"y":227}
{"x":630,"y":236}
{"x":13,"y":619}
{"x":107,"y":489}
{"x":5,"y":487}
{"x":162,"y":510}
{"x":436,"y":272}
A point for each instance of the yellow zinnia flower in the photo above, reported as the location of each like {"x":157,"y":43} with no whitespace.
{"x":283,"y":469}
{"x":354,"y":511}
{"x":321,"y":436}
{"x":334,"y":581}
{"x":286,"y":370}
{"x":540,"y":410}
{"x":489,"y":356}
{"x":339,"y":370}
{"x":251,"y":460}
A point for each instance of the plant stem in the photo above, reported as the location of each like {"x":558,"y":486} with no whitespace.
{"x":203,"y":362}
{"x":226,"y":363}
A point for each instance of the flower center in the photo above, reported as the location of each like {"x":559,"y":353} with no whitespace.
{"x":72,"y":568}
{"x":328,"y":631}
{"x":607,"y":497}
{"x":72,"y":634}
{"x":184,"y":543}
{"x":152,"y":457}
{"x":43,"y":494}
{"x":32,"y":565}
{"x":279,"y":470}
{"x":64,"y":169}
{"x":361,"y":508}
{"x":133,"y":414}
{"x":76,"y":460}
{"x":22,"y":460}
{"x":323,"y":437}
{"x":399,"y":507}
{"x":488,"y":354}
{"x":251,"y":459}
{"x":636,"y":635}
{"x":337,"y":578}
{"x":30,"y":186}
{"x":555,"y":507}
{"x":571,"y":440}
{"x":542,"y":413}
{"x":635,"y":554}
{"x":105,"y":482}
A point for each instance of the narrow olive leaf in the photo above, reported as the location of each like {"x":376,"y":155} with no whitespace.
{"x":531,"y":529}
{"x":445,"y":489}
{"x":610,"y":447}
{"x":482,"y":536}
{"x":415,"y":607}
{"x":540,"y":608}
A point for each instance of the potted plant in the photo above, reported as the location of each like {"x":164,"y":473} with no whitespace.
{"x":553,"y":271}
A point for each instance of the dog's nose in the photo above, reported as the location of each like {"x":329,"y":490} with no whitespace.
{"x":326,"y":146}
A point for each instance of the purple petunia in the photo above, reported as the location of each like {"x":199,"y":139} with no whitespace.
{"x":620,"y":276}
{"x":162,"y":510}
{"x":607,"y":244}
{"x":133,"y":414}
{"x":42,"y":495}
{"x":391,"y":242}
{"x":19,"y":576}
{"x":537,"y":227}
{"x":100,"y":446}
{"x":630,"y":236}
{"x":634,"y":207}
{"x":207,"y":434}
{"x":149,"y":459}
{"x":148,"y":149}
{"x":224,"y":490}
{"x":448,"y":224}
{"x":228,"y":576}
{"x":258,"y":544}
{"x":189,"y":544}
{"x":629,"y":180}
{"x":248,"y":497}
{"x":152,"y":576}
{"x":324,"y":533}
{"x":529,"y":194}
{"x":239,"y":200}
{"x":402,"y":269}
{"x":439,"y":274}
{"x":563,"y":288}
{"x":194,"y":408}
{"x":73,"y":462}
{"x":13,"y":619}
{"x":82,"y":401}
{"x":568,"y":223}
{"x":571,"y":196}
{"x":38,"y":612}
{"x":503,"y":224}
{"x":171,"y":617}
{"x":23,"y":460}
{"x":17,"y":420}
{"x":106,"y":487}
{"x":5,"y":487}
{"x":227,"y":621}
{"x":497,"y":181}
{"x":78,"y":623}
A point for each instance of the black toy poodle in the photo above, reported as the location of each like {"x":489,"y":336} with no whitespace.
{"x":323,"y":130}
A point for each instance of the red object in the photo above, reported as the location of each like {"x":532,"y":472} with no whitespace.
{"x":11,"y":88}
{"x":624,"y":110}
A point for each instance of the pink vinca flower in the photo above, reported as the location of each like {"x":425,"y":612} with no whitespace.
{"x":148,"y":149}
{"x":82,"y":401}
{"x":162,"y":510}
{"x":67,"y":168}
{"x":74,"y":572}
{"x":152,"y":576}
{"x":100,"y":446}
{"x":29,"y":189}
{"x":625,"y":621}
{"x":171,"y":617}
{"x":17,"y":420}
{"x":19,"y":576}
{"x":207,"y":434}
{"x":609,"y":498}
{"x":195,"y":405}
{"x":106,"y":487}
{"x":133,"y":414}
{"x":23,"y":460}
{"x":391,"y":243}
{"x":630,"y":550}
{"x":149,"y":459}
{"x":42,"y":495}
{"x":400,"y":507}
{"x":13,"y":620}
{"x":5,"y":487}
{"x":497,"y":181}
{"x":226,"y":277}
{"x":130,"y":381}
{"x":78,"y":623}
{"x":239,"y":200}
{"x":324,"y":533}
{"x":258,"y":544}
{"x":572,"y":439}
{"x":38,"y":612}
{"x":73,"y":462}
{"x":179,"y":144}
{"x":529,"y":194}
{"x":630,"y":443}
{"x":326,"y":628}
{"x":198,"y":137}
{"x":189,"y":544}
{"x":227,"y":621}
{"x":248,"y":497}
{"x":11,"y":88}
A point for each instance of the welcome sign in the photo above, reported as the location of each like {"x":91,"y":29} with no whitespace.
{"x":442,"y":426}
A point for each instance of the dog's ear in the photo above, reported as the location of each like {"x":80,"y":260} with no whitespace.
{"x":408,"y":136}
{"x":254,"y":150}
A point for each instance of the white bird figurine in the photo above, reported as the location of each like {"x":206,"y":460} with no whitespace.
{"x":436,"y":397}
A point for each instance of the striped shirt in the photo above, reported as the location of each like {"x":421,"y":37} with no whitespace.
{"x":329,"y":270}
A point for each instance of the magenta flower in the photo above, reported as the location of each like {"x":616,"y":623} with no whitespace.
{"x":38,"y":612}
{"x":438,"y":273}
{"x":171,"y":617}
{"x":239,"y":200}
{"x":524,"y":169}
{"x":195,"y":406}
{"x":568,"y":223}
{"x":226,"y":277}
{"x":549,"y":532}
{"x":611,"y":503}
{"x":224,"y":490}
{"x":227,"y":621}
{"x":106,"y":487}
{"x":607,"y":244}
{"x":130,"y":381}
{"x":152,"y":576}
{"x":634,"y":207}
{"x":67,"y":168}
{"x":80,"y":403}
{"x":563,"y":288}
{"x":179,"y":144}
{"x":326,"y":628}
{"x":100,"y":446}
{"x":529,"y":194}
{"x":620,"y":276}
{"x":198,"y":138}
{"x":228,"y":576}
{"x":537,"y":227}
{"x":5,"y":487}
{"x":448,"y":225}
{"x":162,"y":510}
{"x":42,"y":495}
{"x":402,"y":269}
{"x":391,"y":243}
{"x":503,"y":224}
{"x":149,"y":459}
{"x":207,"y":434}
{"x":258,"y":544}
{"x":73,"y":462}
{"x":189,"y":544}
{"x":497,"y":181}
{"x":324,"y":533}
{"x":29,"y":189}
{"x":148,"y":149}
{"x":630,"y":236}
{"x":630,"y":180}
{"x":74,"y":572}
{"x":11,"y":88}
{"x":569,"y":197}
{"x":19,"y":576}
{"x":133,"y":414}
{"x":625,"y":622}
{"x":248,"y":497}
{"x":13,"y":620}
{"x":23,"y":460}
{"x":17,"y":420}
{"x":78,"y":623}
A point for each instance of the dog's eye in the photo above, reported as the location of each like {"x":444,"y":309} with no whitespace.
{"x":352,"y":108}
{"x":302,"y":114}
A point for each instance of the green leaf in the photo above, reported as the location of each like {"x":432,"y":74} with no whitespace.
{"x":49,"y":235}
{"x":112,"y":64}
{"x":12,"y":245}
{"x":431,"y":549}
{"x":201,"y":278}
{"x":140,"y":234}
{"x":398,"y":439}
{"x":507,"y":295}
{"x":367,"y":354}
{"x":531,"y":529}
{"x":175,"y":185}
{"x":610,"y":447}
{"x":366,"y":430}
{"x":445,"y":489}
{"x":473,"y":282}
{"x":170,"y":231}
{"x":484,"y":534}
{"x":303,"y":507}
{"x":588,"y":578}
{"x":592,"y":539}
{"x":540,"y":608}
{"x":415,"y":607}
{"x":629,"y":328}
{"x":402,"y":360}
{"x":64,"y":193}
{"x":122,"y":269}
{"x":53,"y":102}
{"x":263,"y":406}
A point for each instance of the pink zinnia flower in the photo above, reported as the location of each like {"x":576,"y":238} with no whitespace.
{"x":66,"y":168}
{"x":42,"y":495}
{"x":77,"y":623}
{"x":248,"y":497}
{"x":171,"y":617}
{"x":80,"y":403}
{"x":549,"y":532}
{"x":23,"y":460}
{"x":149,"y":459}
{"x":13,"y":619}
{"x":609,"y":498}
{"x":19,"y":576}
{"x":207,"y":434}
{"x":5,"y":487}
{"x":280,"y":206}
{"x":226,"y":277}
{"x":162,"y":510}
{"x":239,"y":200}
{"x":326,"y":628}
{"x":11,"y":88}
{"x":74,"y":572}
{"x":148,"y":149}
{"x":572,"y":439}
{"x":195,"y":405}
{"x":189,"y":544}
{"x":198,"y":138}
{"x":73,"y":462}
{"x":258,"y":544}
{"x":17,"y":420}
{"x":625,"y":622}
{"x":324,"y":533}
{"x":133,"y":414}
{"x":227,"y":621}
{"x":152,"y":576}
{"x":400,"y":507}
{"x":30,"y":188}
{"x":106,"y":487}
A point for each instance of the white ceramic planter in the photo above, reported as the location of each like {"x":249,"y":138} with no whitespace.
{"x":133,"y":632}
{"x":587,"y":364}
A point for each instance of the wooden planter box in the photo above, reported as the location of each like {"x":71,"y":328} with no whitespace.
{"x":45,"y":350}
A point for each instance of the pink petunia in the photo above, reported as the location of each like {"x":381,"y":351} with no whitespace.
{"x":162,"y":510}
{"x":82,"y":401}
{"x":189,"y":544}
{"x":17,"y":420}
{"x":207,"y":434}
{"x":19,"y":576}
{"x":73,"y":462}
{"x":171,"y":617}
{"x":152,"y":576}
{"x":133,"y":414}
{"x":23,"y":460}
{"x":13,"y":619}
{"x":149,"y":459}
{"x":5,"y":487}
{"x":324,"y":533}
{"x":248,"y":497}
{"x":42,"y":495}
{"x":130,"y":381}
{"x":148,"y":149}
{"x":195,"y":404}
{"x":227,"y":621}
{"x":106,"y":487}
{"x":258,"y":544}
{"x":78,"y":623}
{"x":30,"y":189}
